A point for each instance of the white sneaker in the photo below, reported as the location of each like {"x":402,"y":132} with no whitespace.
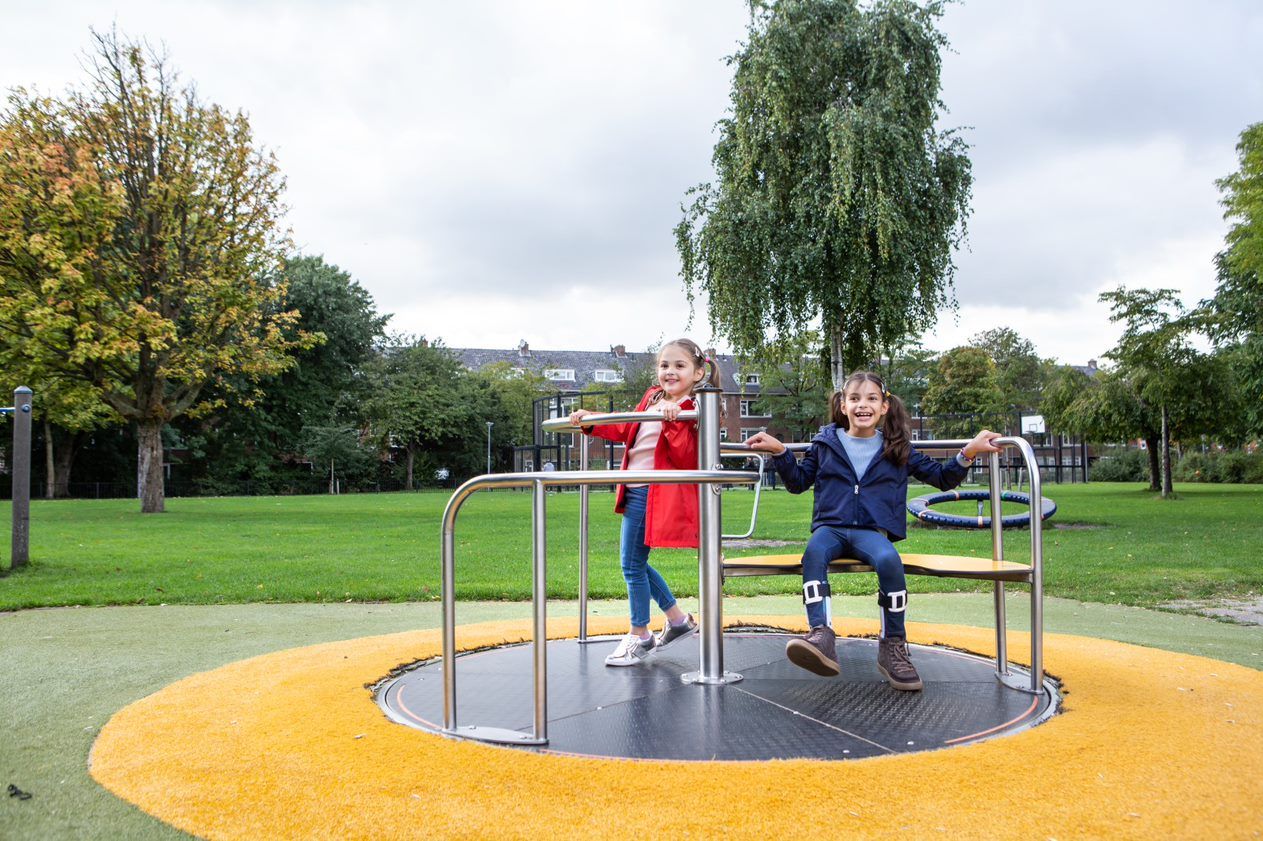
{"x":631,"y":651}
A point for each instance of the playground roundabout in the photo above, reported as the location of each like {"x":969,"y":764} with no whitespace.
{"x":292,"y":744}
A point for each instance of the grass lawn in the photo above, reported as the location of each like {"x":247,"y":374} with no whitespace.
{"x":1113,"y":543}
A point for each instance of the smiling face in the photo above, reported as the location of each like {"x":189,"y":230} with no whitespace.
{"x":865,"y":406}
{"x":677,"y":372}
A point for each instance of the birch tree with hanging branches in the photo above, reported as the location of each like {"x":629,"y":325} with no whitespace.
{"x":837,"y":201}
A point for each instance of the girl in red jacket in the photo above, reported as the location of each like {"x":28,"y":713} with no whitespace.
{"x":657,"y":515}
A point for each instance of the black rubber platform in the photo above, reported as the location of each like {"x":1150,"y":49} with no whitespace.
{"x":777,"y":712}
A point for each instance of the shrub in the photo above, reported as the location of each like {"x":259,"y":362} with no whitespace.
{"x":1235,"y":467}
{"x":1123,"y":465}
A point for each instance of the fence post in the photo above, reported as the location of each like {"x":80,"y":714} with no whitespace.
{"x":21,"y":478}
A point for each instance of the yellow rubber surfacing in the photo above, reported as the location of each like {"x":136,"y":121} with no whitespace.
{"x":1150,"y":744}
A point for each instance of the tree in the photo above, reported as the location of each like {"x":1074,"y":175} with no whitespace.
{"x":1020,"y":374}
{"x":335,"y":445}
{"x":1193,"y":393}
{"x":795,"y":394}
{"x":422,"y":400}
{"x":1105,"y":408}
{"x":963,"y":383}
{"x":57,"y":214}
{"x":259,"y":444}
{"x":1234,"y":316}
{"x":173,"y":290}
{"x":837,"y":203}
{"x":907,"y":374}
{"x":513,"y":394}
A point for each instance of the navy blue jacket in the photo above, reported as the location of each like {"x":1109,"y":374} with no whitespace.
{"x":876,"y":501}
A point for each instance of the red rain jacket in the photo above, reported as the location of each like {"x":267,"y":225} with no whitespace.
{"x":671,"y":510}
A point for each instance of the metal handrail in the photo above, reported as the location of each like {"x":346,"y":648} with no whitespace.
{"x":758,"y":493}
{"x":608,"y":418}
{"x":538,"y":481}
{"x":1036,"y":573}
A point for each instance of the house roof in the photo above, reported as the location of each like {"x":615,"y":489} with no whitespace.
{"x":584,"y":364}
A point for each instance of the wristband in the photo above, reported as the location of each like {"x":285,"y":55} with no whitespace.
{"x":964,"y":458}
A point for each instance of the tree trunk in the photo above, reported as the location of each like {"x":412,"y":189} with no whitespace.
{"x":332,"y":487}
{"x":411,"y":460}
{"x":50,"y":474}
{"x":837,"y":362}
{"x":1155,"y":469}
{"x":149,"y":467}
{"x":63,"y":463}
{"x":1166,"y":454}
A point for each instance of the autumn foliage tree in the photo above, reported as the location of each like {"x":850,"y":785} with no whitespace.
{"x":139,"y":238}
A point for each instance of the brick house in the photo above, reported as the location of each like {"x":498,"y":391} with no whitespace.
{"x":571,"y":372}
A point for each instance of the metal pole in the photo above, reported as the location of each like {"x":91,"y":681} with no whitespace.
{"x":539,"y":597}
{"x":997,"y":554}
{"x":709,"y":560}
{"x":489,"y":425}
{"x":1037,"y":576}
{"x":21,"y":478}
{"x":449,"y":612}
{"x":583,"y":542}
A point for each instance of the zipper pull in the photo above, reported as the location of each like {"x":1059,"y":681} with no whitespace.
{"x":857,"y":490}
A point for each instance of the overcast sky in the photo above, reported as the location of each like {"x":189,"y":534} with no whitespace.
{"x":500,"y":171}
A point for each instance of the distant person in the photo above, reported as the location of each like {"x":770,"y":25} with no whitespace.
{"x":860,"y":465}
{"x":549,"y":467}
{"x":657,"y":516}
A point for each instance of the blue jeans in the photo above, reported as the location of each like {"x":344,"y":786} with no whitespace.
{"x":642,"y":580}
{"x":870,"y":546}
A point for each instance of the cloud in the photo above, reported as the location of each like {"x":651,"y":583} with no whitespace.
{"x":499,"y":170}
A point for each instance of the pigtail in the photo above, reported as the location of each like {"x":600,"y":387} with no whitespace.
{"x":896,"y":429}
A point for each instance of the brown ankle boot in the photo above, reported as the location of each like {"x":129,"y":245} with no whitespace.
{"x":817,"y":652}
{"x":894,"y":661}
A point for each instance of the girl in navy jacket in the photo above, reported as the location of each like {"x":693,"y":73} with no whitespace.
{"x":860,"y":465}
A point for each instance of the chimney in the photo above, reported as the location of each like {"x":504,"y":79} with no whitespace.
{"x":523,"y":349}
{"x":619,"y":351}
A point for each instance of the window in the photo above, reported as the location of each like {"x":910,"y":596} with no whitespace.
{"x":565,"y":374}
{"x":748,"y":410}
{"x":752,"y":379}
{"x":723,"y":433}
{"x":747,"y":433}
{"x":604,"y":375}
{"x":562,"y":407}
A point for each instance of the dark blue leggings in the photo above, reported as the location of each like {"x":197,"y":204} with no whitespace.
{"x":867,"y":545}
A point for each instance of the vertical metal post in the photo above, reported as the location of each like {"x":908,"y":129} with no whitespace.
{"x":539,"y":597}
{"x":1037,"y":579}
{"x":489,"y":425}
{"x":583,"y":542}
{"x":449,"y":617}
{"x":21,"y":478}
{"x":709,"y":560}
{"x":997,"y":554}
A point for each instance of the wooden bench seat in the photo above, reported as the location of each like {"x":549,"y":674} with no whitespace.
{"x":944,"y":566}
